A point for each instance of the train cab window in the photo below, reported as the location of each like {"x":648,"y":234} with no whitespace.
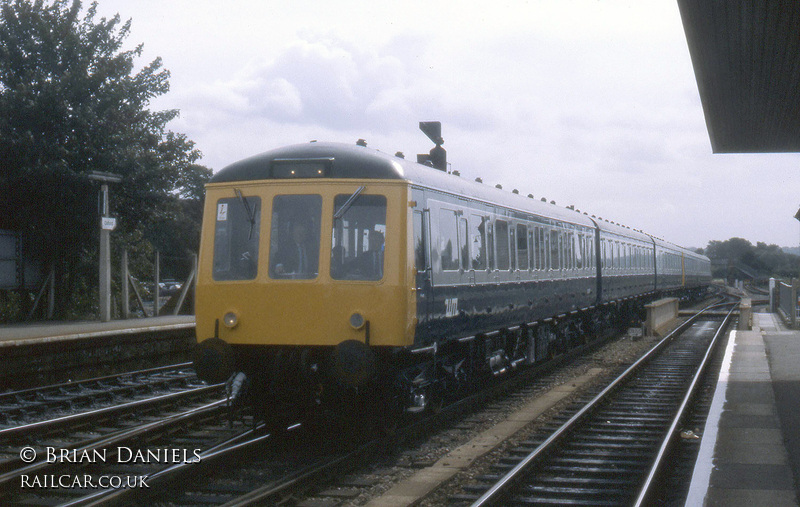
{"x":522,"y":247}
{"x":236,"y":233}
{"x":477,"y":229}
{"x":501,"y":229}
{"x":448,"y":239}
{"x":295,"y":236}
{"x":359,"y":233}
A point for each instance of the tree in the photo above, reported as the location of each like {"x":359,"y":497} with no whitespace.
{"x":767,"y":260}
{"x":71,"y":103}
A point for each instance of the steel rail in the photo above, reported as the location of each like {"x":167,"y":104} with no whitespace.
{"x":299,"y":477}
{"x":53,"y":424}
{"x":230,"y":446}
{"x":646,"y":489}
{"x":34,"y":390}
{"x":119,"y":437}
{"x":500,"y":488}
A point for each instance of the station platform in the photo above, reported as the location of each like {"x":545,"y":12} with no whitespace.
{"x":750,"y":450}
{"x":47,"y":332}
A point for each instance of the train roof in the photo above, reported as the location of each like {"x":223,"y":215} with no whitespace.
{"x":359,"y":162}
{"x":338,"y":160}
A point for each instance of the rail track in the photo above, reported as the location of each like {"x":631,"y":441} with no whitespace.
{"x":611,"y":450}
{"x":111,"y":401}
{"x":274,"y":469}
{"x":71,"y":429}
{"x":65,"y":472}
{"x":48,"y":402}
{"x":229,"y":463}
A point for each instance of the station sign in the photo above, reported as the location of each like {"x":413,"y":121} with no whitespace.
{"x":108,"y":223}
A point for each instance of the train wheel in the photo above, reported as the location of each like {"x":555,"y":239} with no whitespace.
{"x":388,"y":416}
{"x":546,"y":340}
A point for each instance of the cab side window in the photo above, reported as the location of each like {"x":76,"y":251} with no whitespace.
{"x":359,"y":233}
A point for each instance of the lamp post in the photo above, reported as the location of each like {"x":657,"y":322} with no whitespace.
{"x":107,"y":224}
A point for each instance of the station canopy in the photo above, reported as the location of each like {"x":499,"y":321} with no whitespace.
{"x":746,"y":58}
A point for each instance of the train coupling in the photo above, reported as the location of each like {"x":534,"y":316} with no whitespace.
{"x":418,"y":403}
{"x":498,"y":362}
{"x":235,"y":387}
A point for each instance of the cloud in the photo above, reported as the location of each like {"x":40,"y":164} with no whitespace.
{"x":587,"y":103}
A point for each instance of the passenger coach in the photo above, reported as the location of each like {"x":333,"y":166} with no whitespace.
{"x":329,"y":268}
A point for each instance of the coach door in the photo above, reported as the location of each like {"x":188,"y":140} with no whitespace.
{"x":422,"y":261}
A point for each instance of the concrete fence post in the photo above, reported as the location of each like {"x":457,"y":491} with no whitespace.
{"x":126,"y":308}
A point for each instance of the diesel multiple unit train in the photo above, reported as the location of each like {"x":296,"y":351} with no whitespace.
{"x":334,"y":274}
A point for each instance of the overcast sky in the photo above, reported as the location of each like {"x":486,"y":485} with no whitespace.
{"x":589,"y":103}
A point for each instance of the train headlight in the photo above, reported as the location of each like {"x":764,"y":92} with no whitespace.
{"x":230,"y":320}
{"x":357,"y":321}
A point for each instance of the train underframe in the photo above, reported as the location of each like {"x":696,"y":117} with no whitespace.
{"x":353,"y":384}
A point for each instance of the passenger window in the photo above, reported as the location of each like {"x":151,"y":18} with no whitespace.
{"x":236,"y":233}
{"x":463,"y":244}
{"x":532,"y":248}
{"x":569,"y":254}
{"x":490,"y":243}
{"x":359,"y":233}
{"x":522,"y":247}
{"x":448,"y":239}
{"x":555,"y":245}
{"x":502,"y":244}
{"x":543,"y":249}
{"x":513,"y":245}
{"x":611,"y":257}
{"x":477,"y":228}
{"x":294,"y":237}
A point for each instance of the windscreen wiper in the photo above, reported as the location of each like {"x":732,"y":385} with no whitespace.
{"x":349,"y":202}
{"x":251,"y":213}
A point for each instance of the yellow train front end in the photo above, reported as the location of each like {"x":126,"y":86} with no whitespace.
{"x":303,"y":285}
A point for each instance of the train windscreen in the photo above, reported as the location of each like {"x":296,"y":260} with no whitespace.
{"x":236,"y":232}
{"x":294,"y":237}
